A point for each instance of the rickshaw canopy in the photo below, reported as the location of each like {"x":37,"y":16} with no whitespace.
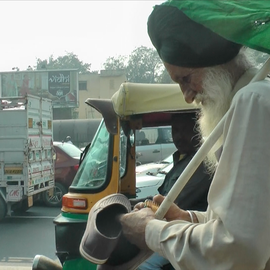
{"x":152,"y":102}
{"x":139,"y":98}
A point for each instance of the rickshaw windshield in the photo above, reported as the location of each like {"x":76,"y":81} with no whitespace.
{"x":93,"y":171}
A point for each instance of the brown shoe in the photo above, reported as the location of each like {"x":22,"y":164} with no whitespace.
{"x":103,"y":228}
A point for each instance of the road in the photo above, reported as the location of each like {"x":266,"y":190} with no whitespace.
{"x":22,"y":236}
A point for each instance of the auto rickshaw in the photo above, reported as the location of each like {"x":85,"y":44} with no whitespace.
{"x":108,"y":164}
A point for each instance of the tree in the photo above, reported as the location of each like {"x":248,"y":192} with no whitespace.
{"x":115,"y":63}
{"x":68,"y":61}
{"x":144,"y":65}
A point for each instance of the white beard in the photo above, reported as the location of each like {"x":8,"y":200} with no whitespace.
{"x":214,"y":101}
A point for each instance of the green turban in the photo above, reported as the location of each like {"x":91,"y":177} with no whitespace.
{"x":183,"y":42}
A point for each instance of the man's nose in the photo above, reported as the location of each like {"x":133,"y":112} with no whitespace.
{"x":188,"y":93}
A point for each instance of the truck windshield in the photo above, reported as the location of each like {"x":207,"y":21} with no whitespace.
{"x":93,"y":171}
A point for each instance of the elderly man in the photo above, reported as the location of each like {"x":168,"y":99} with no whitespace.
{"x":234,"y":232}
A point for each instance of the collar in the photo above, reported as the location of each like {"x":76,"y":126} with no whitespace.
{"x":244,"y":79}
{"x":177,"y":156}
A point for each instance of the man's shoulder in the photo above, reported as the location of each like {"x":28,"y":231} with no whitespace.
{"x":259,"y":89}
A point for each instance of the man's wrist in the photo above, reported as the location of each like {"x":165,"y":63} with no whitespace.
{"x":192,"y":217}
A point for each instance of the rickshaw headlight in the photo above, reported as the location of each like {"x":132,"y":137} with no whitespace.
{"x":74,"y":203}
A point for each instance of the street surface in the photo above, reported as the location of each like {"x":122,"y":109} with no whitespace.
{"x":22,"y":236}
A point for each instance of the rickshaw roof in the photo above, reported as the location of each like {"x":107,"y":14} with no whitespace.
{"x":140,"y":98}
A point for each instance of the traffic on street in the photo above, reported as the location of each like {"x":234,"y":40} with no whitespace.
{"x":25,"y":235}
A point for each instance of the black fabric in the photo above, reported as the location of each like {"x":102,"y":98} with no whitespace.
{"x":182,"y":42}
{"x":167,"y":267}
{"x":194,"y":194}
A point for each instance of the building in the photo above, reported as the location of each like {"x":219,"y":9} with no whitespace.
{"x":67,"y":88}
{"x":97,"y":85}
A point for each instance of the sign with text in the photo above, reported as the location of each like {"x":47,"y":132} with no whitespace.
{"x":61,"y":86}
{"x":59,"y":83}
{"x":14,"y":193}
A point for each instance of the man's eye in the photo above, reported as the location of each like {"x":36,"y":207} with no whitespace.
{"x":186,"y":79}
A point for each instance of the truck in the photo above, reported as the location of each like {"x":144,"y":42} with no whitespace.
{"x":26,"y":151}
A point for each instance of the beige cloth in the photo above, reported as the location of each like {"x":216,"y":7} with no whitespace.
{"x":234,"y":233}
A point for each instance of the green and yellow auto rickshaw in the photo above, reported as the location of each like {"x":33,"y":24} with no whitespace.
{"x":108,"y":165}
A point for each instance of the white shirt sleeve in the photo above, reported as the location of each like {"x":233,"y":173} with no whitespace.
{"x":236,"y":232}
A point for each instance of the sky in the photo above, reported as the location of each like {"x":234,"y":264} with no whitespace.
{"x":93,"y":30}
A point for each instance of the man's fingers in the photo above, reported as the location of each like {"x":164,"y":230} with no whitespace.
{"x":158,"y":199}
{"x":139,"y":206}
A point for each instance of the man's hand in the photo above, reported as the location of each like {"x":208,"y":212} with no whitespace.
{"x":134,"y":224}
{"x":174,"y":212}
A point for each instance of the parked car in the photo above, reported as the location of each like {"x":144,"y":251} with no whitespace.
{"x":153,"y":144}
{"x":154,"y":167}
{"x":67,"y":157}
{"x":147,"y":185}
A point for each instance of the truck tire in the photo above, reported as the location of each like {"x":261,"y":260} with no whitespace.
{"x":20,"y":207}
{"x":3,"y":208}
{"x":56,"y":199}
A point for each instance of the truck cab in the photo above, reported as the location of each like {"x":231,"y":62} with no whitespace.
{"x":26,"y":151}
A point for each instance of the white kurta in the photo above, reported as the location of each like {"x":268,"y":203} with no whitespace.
{"x":234,"y":233}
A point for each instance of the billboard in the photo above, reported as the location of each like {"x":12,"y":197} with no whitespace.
{"x":61,"y":86}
